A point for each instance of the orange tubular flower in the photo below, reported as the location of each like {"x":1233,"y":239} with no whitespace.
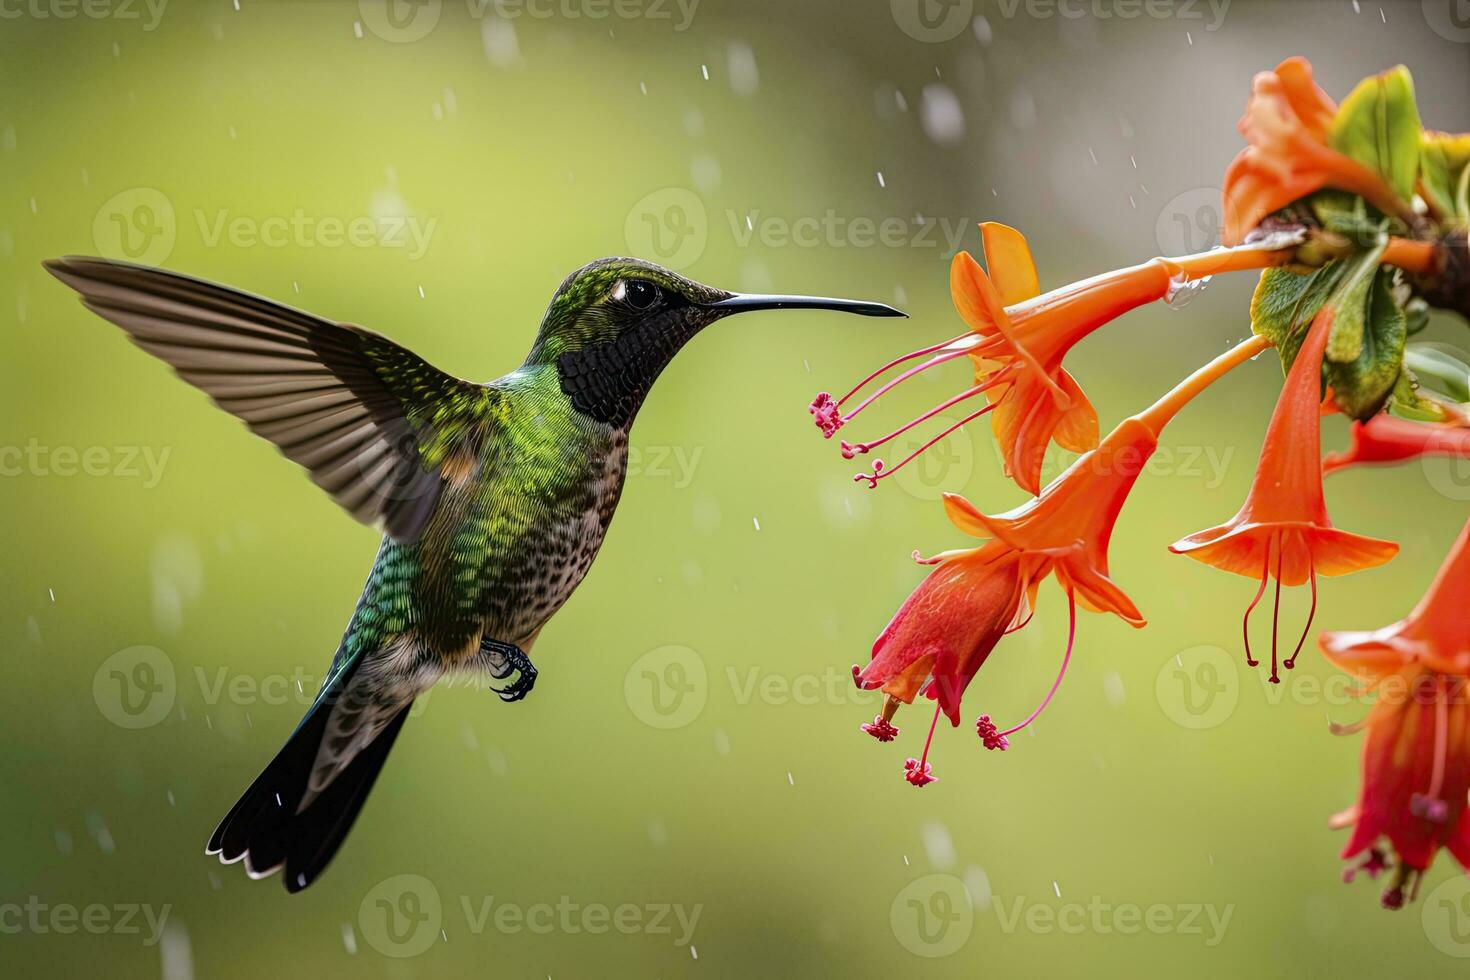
{"x":1416,"y":761}
{"x":947,"y":628}
{"x":1286,"y":122}
{"x":1384,"y":439}
{"x":1018,"y":340}
{"x":1283,"y":528}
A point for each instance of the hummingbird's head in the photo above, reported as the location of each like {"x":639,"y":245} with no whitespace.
{"x":615,"y":324}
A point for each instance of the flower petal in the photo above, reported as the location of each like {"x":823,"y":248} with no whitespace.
{"x":1011,"y":267}
{"x":1077,"y":430}
{"x":1338,"y":552}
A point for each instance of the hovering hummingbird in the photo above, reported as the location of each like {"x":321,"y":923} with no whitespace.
{"x":493,"y":498}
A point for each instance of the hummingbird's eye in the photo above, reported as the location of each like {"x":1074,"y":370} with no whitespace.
{"x":639,"y":293}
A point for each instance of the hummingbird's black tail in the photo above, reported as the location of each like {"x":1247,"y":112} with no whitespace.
{"x":286,"y":819}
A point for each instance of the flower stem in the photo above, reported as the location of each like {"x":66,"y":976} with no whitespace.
{"x":1161,"y":412}
{"x":1418,"y":258}
{"x":1239,"y":259}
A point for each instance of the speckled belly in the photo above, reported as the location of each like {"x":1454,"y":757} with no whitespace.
{"x":553,"y":557}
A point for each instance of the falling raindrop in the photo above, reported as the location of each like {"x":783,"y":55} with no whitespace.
{"x":740,"y":63}
{"x":502,"y":48}
{"x":705,"y":172}
{"x":175,"y":950}
{"x":940,"y":114}
{"x":938,"y":844}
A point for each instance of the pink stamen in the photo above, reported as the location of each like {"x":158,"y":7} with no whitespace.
{"x":895,"y":363}
{"x":825,"y":414}
{"x":1290,"y":661}
{"x":851,"y":449}
{"x":881,"y":728}
{"x":1373,"y":865}
{"x":862,"y":685}
{"x":1245,"y":622}
{"x":918,"y":771}
{"x":1066,"y":659}
{"x":990,"y":735}
{"x":888,"y":386}
{"x":1276,"y":618}
{"x":879,"y":471}
{"x":1429,"y":806}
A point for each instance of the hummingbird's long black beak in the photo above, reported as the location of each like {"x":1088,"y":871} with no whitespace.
{"x":746,"y":302}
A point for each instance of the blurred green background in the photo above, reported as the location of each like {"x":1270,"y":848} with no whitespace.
{"x":692,"y":745}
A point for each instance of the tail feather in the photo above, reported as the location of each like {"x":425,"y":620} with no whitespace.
{"x":280,"y":822}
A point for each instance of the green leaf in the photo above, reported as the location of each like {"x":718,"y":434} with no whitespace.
{"x":1445,"y":174}
{"x":1344,"y":214}
{"x":1350,"y":301}
{"x":1440,"y":370}
{"x":1406,"y":402}
{"x":1378,"y":126}
{"x":1285,"y":303}
{"x":1361,"y":387}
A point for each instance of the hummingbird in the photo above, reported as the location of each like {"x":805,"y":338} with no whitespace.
{"x":493,"y":499}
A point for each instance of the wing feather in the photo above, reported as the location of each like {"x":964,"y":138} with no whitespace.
{"x":349,"y":405}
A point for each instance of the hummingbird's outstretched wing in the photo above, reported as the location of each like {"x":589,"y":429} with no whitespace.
{"x":372,"y":422}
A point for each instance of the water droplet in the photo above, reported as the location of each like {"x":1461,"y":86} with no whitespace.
{"x":740,"y":63}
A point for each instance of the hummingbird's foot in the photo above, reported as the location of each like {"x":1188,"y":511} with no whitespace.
{"x":513,"y":658}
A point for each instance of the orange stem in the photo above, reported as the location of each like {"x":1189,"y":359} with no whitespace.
{"x":1161,"y":412}
{"x":1420,"y":258}
{"x":1239,"y":259}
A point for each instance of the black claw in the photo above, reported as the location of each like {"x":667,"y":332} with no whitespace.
{"x":516,"y":660}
